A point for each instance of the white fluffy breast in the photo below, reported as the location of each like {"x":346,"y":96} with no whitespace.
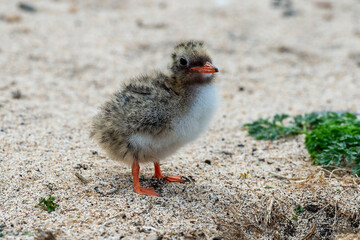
{"x":186,"y":128}
{"x":196,"y":120}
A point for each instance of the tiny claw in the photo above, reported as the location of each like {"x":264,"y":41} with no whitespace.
{"x":146,"y":191}
{"x":174,"y":179}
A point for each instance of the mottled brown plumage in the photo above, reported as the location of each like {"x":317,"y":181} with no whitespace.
{"x":151,"y":116}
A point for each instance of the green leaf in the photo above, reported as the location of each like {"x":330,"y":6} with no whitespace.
{"x":47,"y":204}
{"x":298,"y":209}
{"x":331,"y":138}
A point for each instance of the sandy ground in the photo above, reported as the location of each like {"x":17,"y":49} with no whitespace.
{"x":60,"y":63}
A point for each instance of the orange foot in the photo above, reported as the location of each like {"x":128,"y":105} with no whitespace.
{"x":137,"y":188}
{"x":146,"y":191}
{"x":173,"y":179}
{"x":158,"y":174}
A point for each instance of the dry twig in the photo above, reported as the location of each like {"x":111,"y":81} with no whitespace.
{"x":312,"y":230}
{"x":81,"y":178}
{"x":269,"y":210}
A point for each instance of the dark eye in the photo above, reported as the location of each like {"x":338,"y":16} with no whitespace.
{"x":183,"y":61}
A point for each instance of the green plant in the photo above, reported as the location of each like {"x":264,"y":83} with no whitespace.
{"x":295,"y":218}
{"x":47,"y":204}
{"x":266,"y":129}
{"x":336,"y":142}
{"x":331,"y":138}
{"x":244,"y":175}
{"x":298,"y":209}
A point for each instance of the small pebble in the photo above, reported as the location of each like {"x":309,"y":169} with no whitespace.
{"x":324,"y":5}
{"x":16,"y":94}
{"x":10,"y":18}
{"x":26,"y":7}
{"x":276,"y":3}
{"x":241,"y":145}
{"x":98,"y":190}
{"x":289,"y":12}
{"x":81,"y":166}
{"x":284,"y":49}
{"x":227,"y":153}
{"x":207,"y":161}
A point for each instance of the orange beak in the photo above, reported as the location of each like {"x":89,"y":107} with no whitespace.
{"x":207,"y":68}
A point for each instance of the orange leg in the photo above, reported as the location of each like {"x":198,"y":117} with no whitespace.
{"x":158,"y":174}
{"x":137,"y":188}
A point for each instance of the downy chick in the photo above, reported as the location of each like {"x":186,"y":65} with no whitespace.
{"x":152,"y":116}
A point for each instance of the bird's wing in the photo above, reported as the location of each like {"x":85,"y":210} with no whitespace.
{"x":143,"y":90}
{"x":142,"y":107}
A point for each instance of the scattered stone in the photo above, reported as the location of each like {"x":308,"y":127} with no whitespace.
{"x":227,"y":153}
{"x":241,"y":145}
{"x":289,"y":10}
{"x":27,"y":7}
{"x":276,"y":3}
{"x":278,"y":169}
{"x":97,"y":190}
{"x":207,"y":161}
{"x":284,"y":49}
{"x":323,"y":5}
{"x":16,"y":94}
{"x":10,"y":18}
{"x":241,"y":89}
{"x":82,"y":166}
{"x":253,"y":151}
{"x":94,"y":152}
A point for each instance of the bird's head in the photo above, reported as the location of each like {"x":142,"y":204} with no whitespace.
{"x":191,"y":63}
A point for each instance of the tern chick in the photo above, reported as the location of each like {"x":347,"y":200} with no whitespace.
{"x":150,"y":117}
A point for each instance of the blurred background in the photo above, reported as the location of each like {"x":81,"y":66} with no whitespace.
{"x":288,"y":56}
